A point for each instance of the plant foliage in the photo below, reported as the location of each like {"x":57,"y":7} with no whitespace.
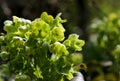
{"x":37,"y":50}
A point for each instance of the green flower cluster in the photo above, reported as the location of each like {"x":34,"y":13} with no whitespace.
{"x":108,"y":31}
{"x":36,"y":49}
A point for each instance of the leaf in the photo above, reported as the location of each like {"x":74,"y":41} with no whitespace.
{"x":38,"y":72}
{"x":22,"y":77}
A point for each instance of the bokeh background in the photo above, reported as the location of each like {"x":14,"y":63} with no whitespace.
{"x":96,"y":21}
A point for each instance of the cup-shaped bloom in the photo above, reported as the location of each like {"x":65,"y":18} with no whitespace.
{"x":57,"y":34}
{"x":73,"y":43}
{"x":58,"y":48}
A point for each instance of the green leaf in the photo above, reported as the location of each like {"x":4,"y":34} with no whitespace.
{"x":38,"y":72}
{"x":8,"y":26}
{"x":4,"y":55}
{"x":2,"y":38}
{"x":22,"y":77}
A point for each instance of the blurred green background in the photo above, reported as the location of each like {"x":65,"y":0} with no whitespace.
{"x":96,"y":21}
